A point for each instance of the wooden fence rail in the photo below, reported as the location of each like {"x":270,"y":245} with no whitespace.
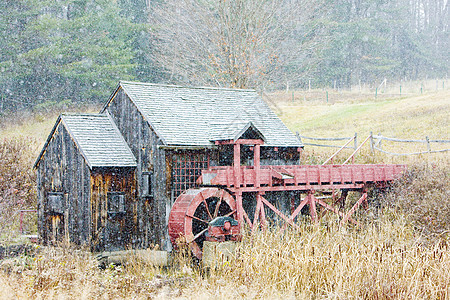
{"x":375,"y":143}
{"x":354,"y":138}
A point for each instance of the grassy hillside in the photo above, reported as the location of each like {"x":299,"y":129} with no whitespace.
{"x":412,"y":117}
{"x":409,"y":117}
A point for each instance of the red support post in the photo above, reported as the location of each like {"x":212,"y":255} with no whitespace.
{"x":263,"y":217}
{"x":312,"y":208}
{"x":256,"y":163}
{"x":239,"y":209}
{"x":259,"y":205}
{"x":237,"y":165}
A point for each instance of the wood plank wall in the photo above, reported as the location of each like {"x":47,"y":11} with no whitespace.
{"x":143,"y":142}
{"x":63,"y":169}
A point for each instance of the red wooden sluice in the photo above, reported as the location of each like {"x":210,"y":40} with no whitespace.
{"x":238,"y":179}
{"x":304,"y":178}
{"x":299,"y":177}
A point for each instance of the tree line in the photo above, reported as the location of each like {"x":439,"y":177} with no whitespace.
{"x":75,"y":51}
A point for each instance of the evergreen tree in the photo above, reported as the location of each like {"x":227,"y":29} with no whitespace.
{"x":74,"y":50}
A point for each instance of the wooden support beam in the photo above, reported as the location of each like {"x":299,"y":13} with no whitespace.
{"x":237,"y":166}
{"x":299,"y":208}
{"x":279,"y":213}
{"x":257,"y":212}
{"x":244,"y":213}
{"x":353,"y":209}
{"x":240,"y":142}
{"x":296,"y":211}
{"x":333,"y":209}
{"x":239,"y":209}
{"x":256,"y":164}
{"x":312,"y":208}
{"x":263,"y":217}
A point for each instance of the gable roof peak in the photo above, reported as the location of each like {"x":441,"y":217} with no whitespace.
{"x":97,"y":139}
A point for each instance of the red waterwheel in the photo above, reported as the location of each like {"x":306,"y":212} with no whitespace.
{"x":192,"y":212}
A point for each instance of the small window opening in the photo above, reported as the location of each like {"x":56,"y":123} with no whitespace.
{"x":116,"y":203}
{"x":55,"y":202}
{"x":147,"y":179}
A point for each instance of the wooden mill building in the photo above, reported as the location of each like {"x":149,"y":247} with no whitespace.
{"x":109,"y":180}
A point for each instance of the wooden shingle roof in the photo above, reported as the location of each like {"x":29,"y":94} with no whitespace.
{"x":189,"y":116}
{"x":97,"y":138}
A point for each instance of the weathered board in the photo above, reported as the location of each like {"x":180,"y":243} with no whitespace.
{"x":63,"y":171}
{"x":143,"y":141}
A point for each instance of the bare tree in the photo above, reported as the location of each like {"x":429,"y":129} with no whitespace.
{"x":233,"y":43}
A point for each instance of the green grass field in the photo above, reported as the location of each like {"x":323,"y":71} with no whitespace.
{"x":408,"y":117}
{"x":403,"y":117}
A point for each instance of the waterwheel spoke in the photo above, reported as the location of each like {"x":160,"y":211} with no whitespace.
{"x":216,"y":210}
{"x":207,"y":208}
{"x":230,"y":213}
{"x":199,"y":234}
{"x":194,"y":217}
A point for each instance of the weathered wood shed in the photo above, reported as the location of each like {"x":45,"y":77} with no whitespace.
{"x":172,"y":133}
{"x":86,"y":184}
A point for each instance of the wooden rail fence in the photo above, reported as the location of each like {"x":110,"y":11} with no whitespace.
{"x":375,"y":143}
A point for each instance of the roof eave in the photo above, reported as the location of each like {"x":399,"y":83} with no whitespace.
{"x":246,"y":127}
{"x":50,"y":136}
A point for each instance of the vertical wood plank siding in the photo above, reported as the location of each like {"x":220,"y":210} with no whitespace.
{"x":113,"y":231}
{"x":143,"y":142}
{"x":63,"y":169}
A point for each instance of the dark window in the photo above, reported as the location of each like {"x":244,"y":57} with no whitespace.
{"x":55,"y":202}
{"x":147,"y":179}
{"x":186,"y":168}
{"x":116,"y":202}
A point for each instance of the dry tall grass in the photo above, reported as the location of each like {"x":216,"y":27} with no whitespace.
{"x":17,"y":185}
{"x":381,"y":261}
{"x":69,"y":273}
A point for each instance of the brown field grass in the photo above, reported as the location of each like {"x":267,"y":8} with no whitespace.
{"x":400,"y":252}
{"x":385,"y":259}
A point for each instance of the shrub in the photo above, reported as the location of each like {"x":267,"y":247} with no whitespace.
{"x":422,"y":195}
{"x":17,"y":183}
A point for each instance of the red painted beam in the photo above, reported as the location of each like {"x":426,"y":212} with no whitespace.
{"x":240,"y":142}
{"x":271,"y":178}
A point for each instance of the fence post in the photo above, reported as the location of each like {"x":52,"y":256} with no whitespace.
{"x":299,"y":137}
{"x":428,"y":144}
{"x":371,"y":143}
{"x":379,"y":134}
{"x":21,"y":222}
{"x":355,"y":142}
